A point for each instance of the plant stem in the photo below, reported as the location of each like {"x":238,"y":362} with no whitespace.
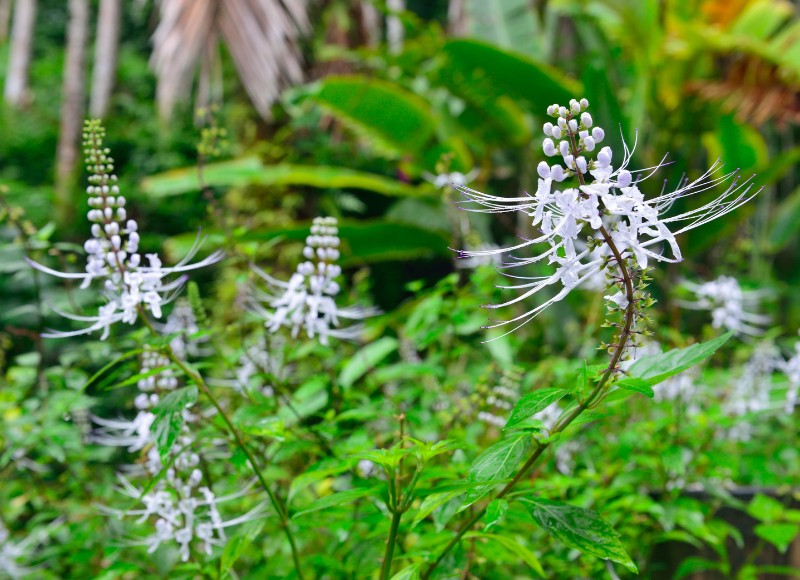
{"x":200,"y":382}
{"x":594,"y":397}
{"x":386,"y":569}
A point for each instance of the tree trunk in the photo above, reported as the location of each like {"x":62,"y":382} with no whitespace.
{"x":19,"y":60}
{"x":105,"y":56}
{"x":394,"y":25}
{"x":456,"y":18}
{"x":72,"y":108}
{"x":5,"y":14}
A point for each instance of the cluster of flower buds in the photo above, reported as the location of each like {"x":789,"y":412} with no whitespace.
{"x":306,"y":301}
{"x":730,"y":305}
{"x":572,"y":125}
{"x":605,"y":201}
{"x":182,"y":325}
{"x":130,"y":285}
{"x":501,"y":398}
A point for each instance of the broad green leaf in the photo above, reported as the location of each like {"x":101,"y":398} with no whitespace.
{"x":695,"y":564}
{"x":579,"y":528}
{"x":532,"y":403}
{"x":637,"y":385}
{"x":339,"y":498}
{"x":474,"y":66}
{"x":433,"y":501}
{"x":509,"y":24}
{"x":365,"y":359}
{"x":381,"y":110}
{"x":509,"y":544}
{"x":169,"y":418}
{"x":499,"y":461}
{"x":766,"y":509}
{"x":252,"y":171}
{"x":779,"y":535}
{"x":363,"y":242}
{"x":495,"y":513}
{"x":657,"y":368}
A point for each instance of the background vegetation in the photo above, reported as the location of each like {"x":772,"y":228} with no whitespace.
{"x":371,"y":101}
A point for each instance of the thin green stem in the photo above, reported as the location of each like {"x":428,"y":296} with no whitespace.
{"x":594,"y":397}
{"x":386,"y":569}
{"x":201,"y":384}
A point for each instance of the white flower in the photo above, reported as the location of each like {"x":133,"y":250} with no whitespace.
{"x":307,"y":300}
{"x":129,"y":285}
{"x":604,"y":204}
{"x":792,"y":370}
{"x":11,"y":553}
{"x":731,"y":306}
{"x":454,"y":179}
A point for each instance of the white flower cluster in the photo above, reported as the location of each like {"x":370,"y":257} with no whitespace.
{"x":604,"y":205}
{"x":260,"y":359}
{"x":13,"y":553}
{"x":307,"y":300}
{"x":732,"y":308}
{"x":751,"y":391}
{"x":501,"y":399}
{"x":791,"y":369}
{"x":182,"y":323}
{"x":129,"y":284}
{"x":184,"y":511}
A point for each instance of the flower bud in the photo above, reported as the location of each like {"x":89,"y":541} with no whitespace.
{"x":580,"y":162}
{"x":588,"y":143}
{"x":552,"y":109}
{"x":543,"y":170}
{"x":586,"y":120}
{"x":624,"y":178}
{"x":548,"y":129}
{"x":308,"y":252}
{"x":604,"y":157}
{"x":573,"y":126}
{"x":575,"y":106}
{"x":584,"y":103}
{"x":569,"y":161}
{"x":548,"y":146}
{"x":598,"y":134}
{"x":562,"y":111}
{"x":557,"y":132}
{"x":557,"y":173}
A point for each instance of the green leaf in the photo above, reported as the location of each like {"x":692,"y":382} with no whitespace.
{"x":786,"y":222}
{"x":408,"y":573}
{"x":244,"y":537}
{"x":497,"y":462}
{"x":363,"y":241}
{"x":766,"y":509}
{"x":475,"y":67}
{"x":779,"y":535}
{"x":531,"y":404}
{"x":432,"y":502}
{"x":657,"y":368}
{"x":169,"y":418}
{"x":365,"y":359}
{"x":252,"y":171}
{"x":495,"y":513}
{"x":518,"y":550}
{"x":579,"y":528}
{"x":316,"y":473}
{"x":637,"y":385}
{"x":340,"y":498}
{"x":394,"y":117}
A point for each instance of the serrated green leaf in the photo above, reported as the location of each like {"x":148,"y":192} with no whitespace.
{"x":533,"y":403}
{"x":579,"y":528}
{"x":339,"y":498}
{"x":657,"y":368}
{"x":365,"y":359}
{"x":637,"y":385}
{"x":497,"y":462}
